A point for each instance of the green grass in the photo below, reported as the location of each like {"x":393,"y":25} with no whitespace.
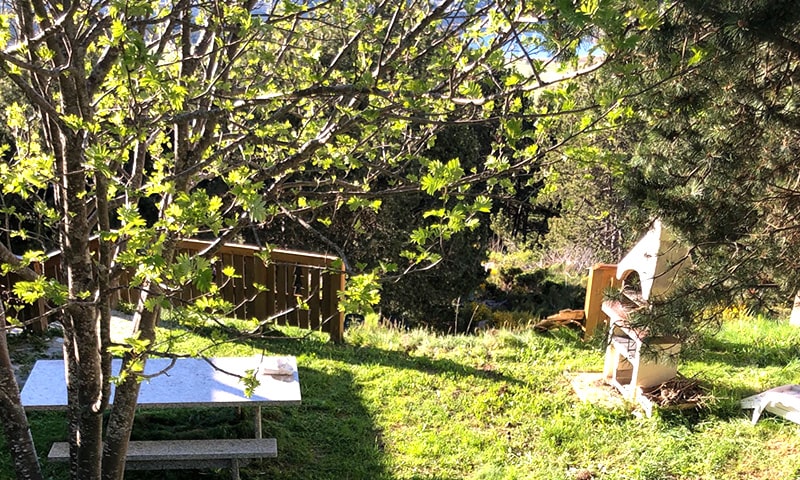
{"x":413,"y":405}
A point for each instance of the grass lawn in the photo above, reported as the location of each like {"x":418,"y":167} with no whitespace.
{"x":413,"y":405}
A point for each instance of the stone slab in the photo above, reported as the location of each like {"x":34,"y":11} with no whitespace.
{"x":187,"y":450}
{"x":189,"y":382}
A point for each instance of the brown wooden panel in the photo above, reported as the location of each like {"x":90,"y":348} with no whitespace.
{"x":601,"y":277}
{"x":289,"y":273}
{"x":238,"y":288}
{"x":293,"y":287}
{"x":314,"y":298}
{"x":281,"y":292}
{"x":125,"y":293}
{"x":226,"y":283}
{"x":52,"y":267}
{"x":301,"y":258}
{"x":302,"y":315}
{"x":332,"y":283}
{"x":278,"y":255}
{"x":337,"y":326}
{"x":327,"y":315}
{"x":248,"y":279}
{"x":271,"y":288}
{"x":259,"y":304}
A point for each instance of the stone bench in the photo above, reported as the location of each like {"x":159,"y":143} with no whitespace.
{"x":187,"y":454}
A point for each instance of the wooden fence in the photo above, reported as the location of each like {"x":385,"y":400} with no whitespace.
{"x":293,"y":288}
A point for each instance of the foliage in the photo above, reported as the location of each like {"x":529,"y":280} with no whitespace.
{"x":718,"y":145}
{"x":539,"y":291}
{"x":375,"y":238}
{"x":580,"y":205}
{"x":396,"y":404}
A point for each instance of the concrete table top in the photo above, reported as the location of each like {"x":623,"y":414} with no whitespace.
{"x":190,"y":382}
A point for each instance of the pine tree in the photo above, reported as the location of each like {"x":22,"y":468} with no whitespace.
{"x":720,"y":139}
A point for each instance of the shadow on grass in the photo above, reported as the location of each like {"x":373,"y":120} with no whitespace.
{"x":330,"y":436}
{"x":759,"y":354}
{"x":721,"y":357}
{"x":358,"y":355}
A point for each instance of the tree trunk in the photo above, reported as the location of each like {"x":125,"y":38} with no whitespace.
{"x":82,"y":340}
{"x":120,"y":422}
{"x":14,"y":421}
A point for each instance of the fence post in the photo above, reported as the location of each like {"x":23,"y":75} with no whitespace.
{"x":40,"y":307}
{"x":333,"y":283}
{"x":601,"y":277}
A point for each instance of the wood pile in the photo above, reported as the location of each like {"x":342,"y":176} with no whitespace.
{"x":678,"y":393}
{"x":564,"y":318}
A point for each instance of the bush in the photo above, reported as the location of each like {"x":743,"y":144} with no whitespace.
{"x":533,"y":292}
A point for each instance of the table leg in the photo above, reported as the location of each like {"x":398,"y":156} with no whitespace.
{"x":235,"y":469}
{"x":257,"y":421}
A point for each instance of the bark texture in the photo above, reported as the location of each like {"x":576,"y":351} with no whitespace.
{"x":14,"y":422}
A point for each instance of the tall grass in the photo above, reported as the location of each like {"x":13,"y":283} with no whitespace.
{"x":394,"y":404}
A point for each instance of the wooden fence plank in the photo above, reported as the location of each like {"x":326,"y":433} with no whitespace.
{"x":314,"y":311}
{"x":303,"y":314}
{"x":226,"y":282}
{"x":332,"y":284}
{"x":238,"y":287}
{"x":249,"y":281}
{"x":281,"y":292}
{"x":289,"y":273}
{"x":259,"y":306}
{"x":293,"y":289}
{"x":271,"y":289}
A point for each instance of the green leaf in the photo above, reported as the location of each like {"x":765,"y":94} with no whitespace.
{"x":230,"y":272}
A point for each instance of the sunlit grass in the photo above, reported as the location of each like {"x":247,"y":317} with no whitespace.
{"x":395,"y":404}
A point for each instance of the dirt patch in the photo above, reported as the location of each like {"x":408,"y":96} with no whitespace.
{"x":591,"y":388}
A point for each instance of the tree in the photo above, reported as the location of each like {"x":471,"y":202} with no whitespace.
{"x":220,"y":116}
{"x":374,"y":238}
{"x":593,"y":219}
{"x":717,"y":150}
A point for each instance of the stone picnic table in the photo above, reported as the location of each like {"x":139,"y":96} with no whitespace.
{"x":185,"y":383}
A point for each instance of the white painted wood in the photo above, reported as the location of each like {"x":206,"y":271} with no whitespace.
{"x":630,"y":362}
{"x":657,"y":258}
{"x":187,"y":454}
{"x":794,"y":318}
{"x":783,"y":401}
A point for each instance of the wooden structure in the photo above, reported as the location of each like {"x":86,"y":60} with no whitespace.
{"x":658,"y":259}
{"x":783,"y":401}
{"x":601,"y":277}
{"x":633,"y":361}
{"x":293,"y":288}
